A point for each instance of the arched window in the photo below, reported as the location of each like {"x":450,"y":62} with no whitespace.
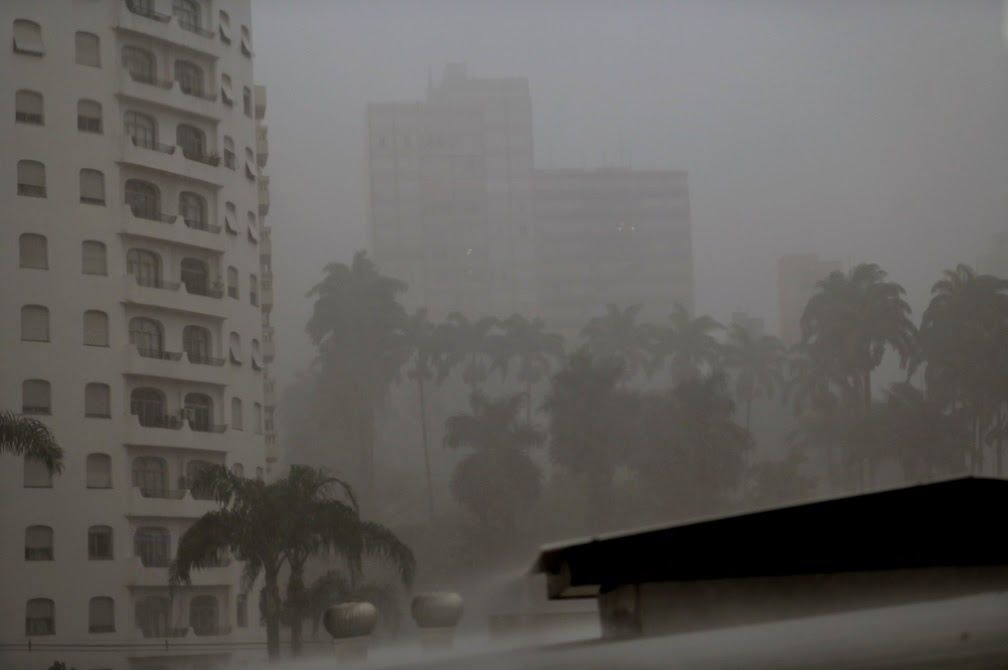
{"x":143,"y":198}
{"x":28,"y":38}
{"x":92,"y":187}
{"x":189,"y":77}
{"x":147,"y":336}
{"x":95,"y":328}
{"x":139,"y":63}
{"x":193,"y":471}
{"x":99,"y":543}
{"x":88,"y":49}
{"x":236,"y":414}
{"x":36,"y":397}
{"x":93,"y":258}
{"x":187,"y":13}
{"x":31,"y":176}
{"x":151,"y":616}
{"x":192,"y":209}
{"x":225,"y":27}
{"x":99,"y":471}
{"x":256,"y":355}
{"x":254,"y":290}
{"x":203,"y":615}
{"x":145,"y":266}
{"x":101,"y":615}
{"x":38,"y":543}
{"x":247,"y":101}
{"x":150,"y":475}
{"x":227,"y":96}
{"x":259,"y":474}
{"x":33,"y":251}
{"x":96,"y":401}
{"x":29,"y":108}
{"x":151,"y":544}
{"x":40,"y":617}
{"x":229,"y":153}
{"x":232,"y":281}
{"x":199,"y":411}
{"x":141,"y":129}
{"x":192,"y":140}
{"x":148,"y":404}
{"x":257,"y":418}
{"x":237,"y":469}
{"x":196,"y":276}
{"x":34,"y":323}
{"x":89,"y":116}
{"x":246,"y":41}
{"x":196,"y":344}
{"x":234,"y":348}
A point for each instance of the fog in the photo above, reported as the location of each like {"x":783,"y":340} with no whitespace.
{"x":860,"y":131}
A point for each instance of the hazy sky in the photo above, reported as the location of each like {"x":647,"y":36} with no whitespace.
{"x":864,"y":131}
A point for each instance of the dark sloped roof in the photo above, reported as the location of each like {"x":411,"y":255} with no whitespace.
{"x":957,"y":522}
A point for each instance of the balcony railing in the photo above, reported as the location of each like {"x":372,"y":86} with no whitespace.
{"x":201,"y":359}
{"x":156,"y":631}
{"x":160,"y":354}
{"x":151,"y":144}
{"x":151,"y":215}
{"x":140,"y":10}
{"x":89,"y":124}
{"x":35,"y":409}
{"x":28,"y":117}
{"x":207,"y":159}
{"x":164,"y":494}
{"x":212,"y":630}
{"x":196,"y":289}
{"x":201,"y":427}
{"x":87,"y":200}
{"x":193,"y":28}
{"x":160,"y":421}
{"x":197,"y":92}
{"x":196,"y":224}
{"x":38,"y":553}
{"x":33,"y":190}
{"x":107,"y":628}
{"x":158,"y":283}
{"x":150,"y":80}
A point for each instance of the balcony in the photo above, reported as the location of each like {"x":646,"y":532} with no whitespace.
{"x":168,"y":94}
{"x":175,"y":434}
{"x":174,"y":365}
{"x":262,"y":145}
{"x":265,"y":241}
{"x":166,"y":28}
{"x":264,"y":195}
{"x":137,"y":574}
{"x":260,"y":102}
{"x":170,"y":160}
{"x":166,"y":228}
{"x":166,"y":504}
{"x":173,"y":296}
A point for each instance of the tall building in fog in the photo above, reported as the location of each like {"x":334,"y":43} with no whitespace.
{"x":797,"y":276}
{"x":611,"y":235}
{"x":451,"y":194}
{"x":136,"y":322}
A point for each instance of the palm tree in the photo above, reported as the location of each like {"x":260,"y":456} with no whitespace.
{"x":758,"y":362}
{"x":285,"y":522}
{"x":31,"y":439}
{"x":962,"y":342}
{"x":689,"y":344}
{"x":617,"y":334}
{"x":535,"y":351}
{"x":496,"y":479}
{"x":466,"y":343}
{"x":590,"y":419}
{"x":426,"y":352}
{"x":356,"y":327}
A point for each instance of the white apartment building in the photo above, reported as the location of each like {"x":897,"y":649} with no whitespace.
{"x":136,"y":293}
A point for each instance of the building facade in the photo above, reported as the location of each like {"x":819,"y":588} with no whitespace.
{"x":797,"y":276}
{"x":611,"y":235}
{"x":136,"y":322}
{"x":451,"y":195}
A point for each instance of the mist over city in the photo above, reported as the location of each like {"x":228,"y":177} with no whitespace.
{"x":528,"y":334}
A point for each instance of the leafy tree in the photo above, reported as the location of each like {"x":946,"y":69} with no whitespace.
{"x":31,"y":439}
{"x":356,"y":327}
{"x":758,"y":363}
{"x":590,"y":420}
{"x":467,"y":344}
{"x":498,"y":478}
{"x":962,"y":342}
{"x":534,"y":350}
{"x":285,"y":522}
{"x":617,"y":334}
{"x":689,"y":344}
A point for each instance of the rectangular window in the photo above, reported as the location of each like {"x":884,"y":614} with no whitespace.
{"x":254,"y":290}
{"x":88,"y":49}
{"x":97,"y":404}
{"x":93,"y":260}
{"x":38,"y":543}
{"x":99,"y":471}
{"x":31,"y":179}
{"x":92,"y":187}
{"x":29,"y":108}
{"x":100,"y":543}
{"x":95,"y":328}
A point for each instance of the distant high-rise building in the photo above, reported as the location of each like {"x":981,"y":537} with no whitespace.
{"x":797,"y":276}
{"x":451,"y":195}
{"x":135,"y":323}
{"x":611,"y":236}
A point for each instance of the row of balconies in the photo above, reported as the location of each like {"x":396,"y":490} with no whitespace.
{"x":137,"y":18}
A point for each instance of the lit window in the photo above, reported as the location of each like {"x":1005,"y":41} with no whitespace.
{"x":88,"y":49}
{"x":31,"y":179}
{"x":38,"y":543}
{"x":92,"y":187}
{"x":101,"y":615}
{"x":93,"y":261}
{"x":89,"y":116}
{"x":28,"y":38}
{"x":99,"y":471}
{"x":95,"y":328}
{"x":99,"y":542}
{"x":29,"y":108}
{"x":34,"y":323}
{"x":33,"y":251}
{"x":40,"y":617}
{"x":97,"y":404}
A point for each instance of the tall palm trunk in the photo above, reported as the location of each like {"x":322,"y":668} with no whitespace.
{"x":271,"y":613}
{"x":426,"y":447}
{"x":296,"y":606}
